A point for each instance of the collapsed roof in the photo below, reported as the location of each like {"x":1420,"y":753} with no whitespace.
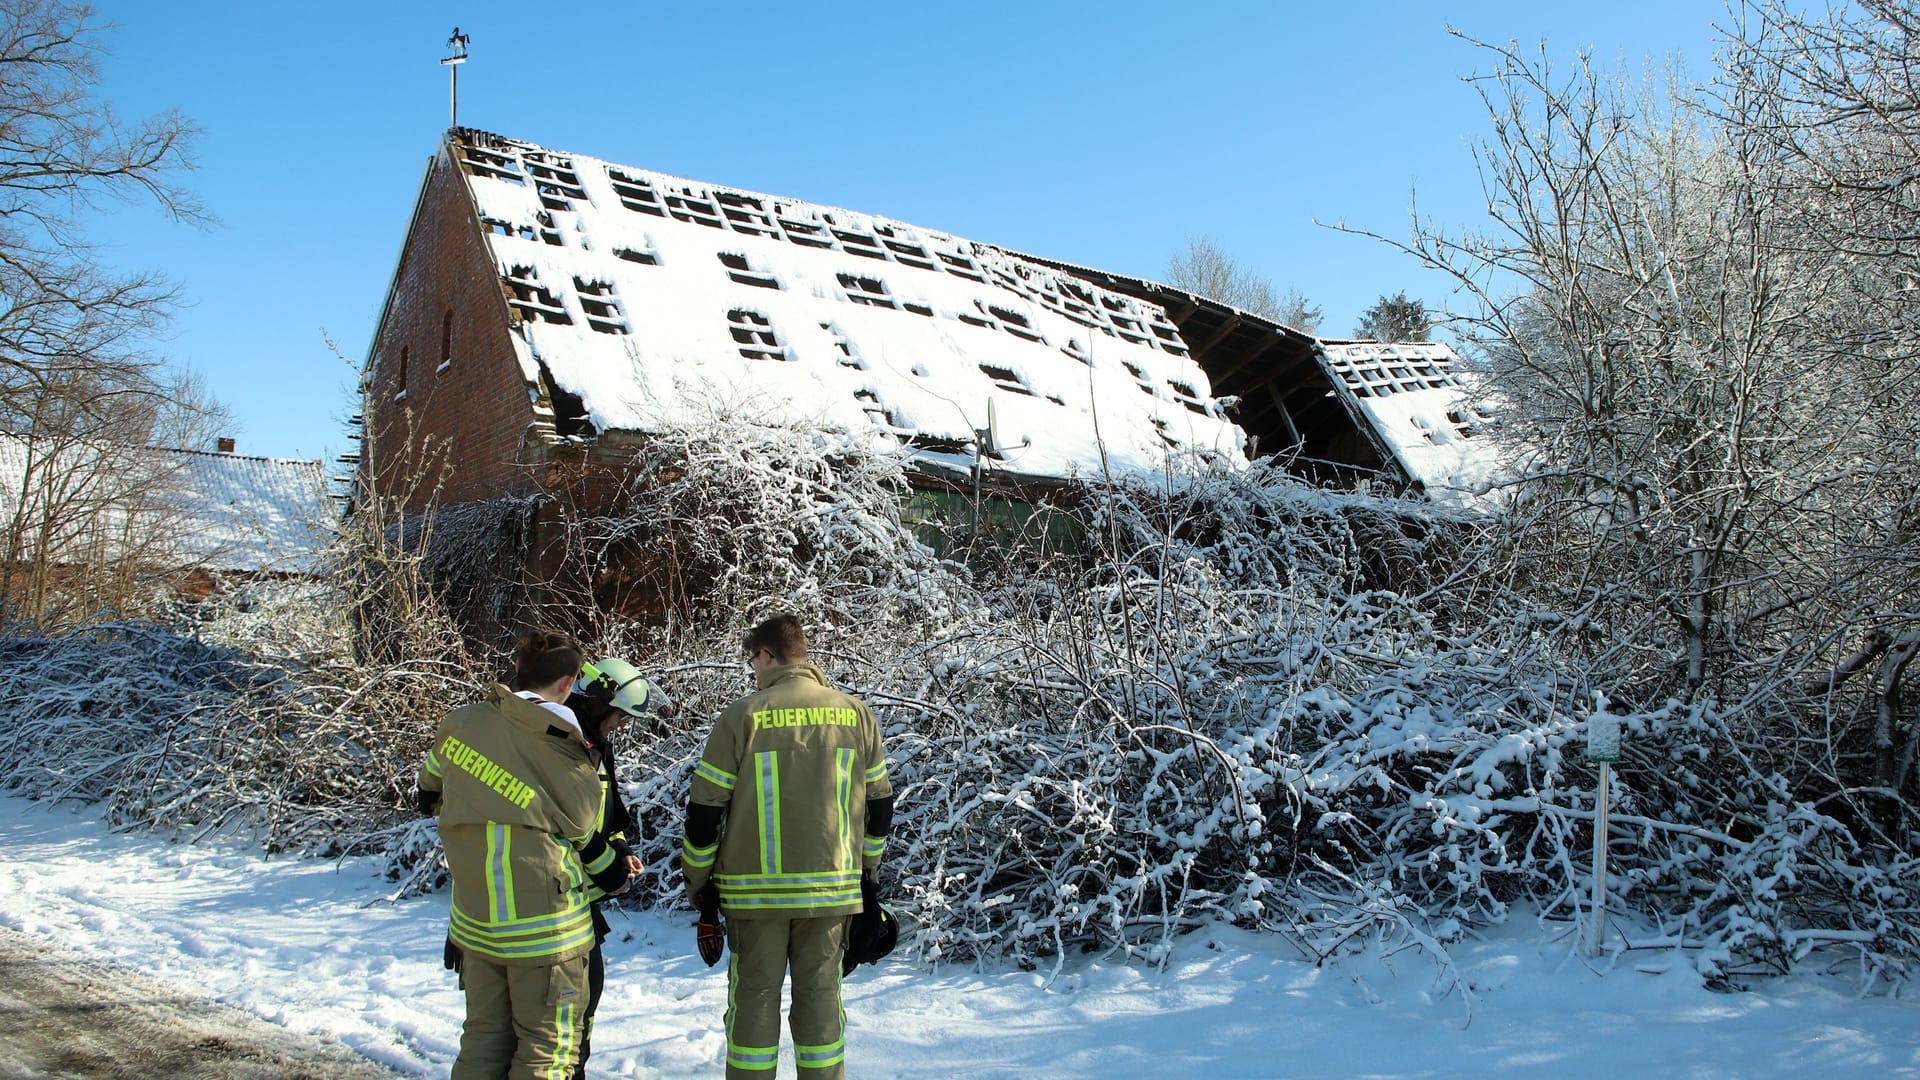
{"x":644,"y":301}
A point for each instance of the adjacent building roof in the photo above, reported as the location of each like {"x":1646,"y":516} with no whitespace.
{"x":186,"y":508}
{"x":650,"y":300}
{"x":253,"y":513}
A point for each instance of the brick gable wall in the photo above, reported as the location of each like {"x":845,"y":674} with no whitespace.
{"x":465,"y":413}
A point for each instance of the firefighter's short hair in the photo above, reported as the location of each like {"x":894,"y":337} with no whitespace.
{"x":782,"y":636}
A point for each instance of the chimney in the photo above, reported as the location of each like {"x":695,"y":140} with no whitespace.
{"x":226,"y":446}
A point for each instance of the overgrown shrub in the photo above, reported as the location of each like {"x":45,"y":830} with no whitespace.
{"x":1243,"y":699}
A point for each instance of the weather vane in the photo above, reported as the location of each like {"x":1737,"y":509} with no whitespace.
{"x":457,"y":45}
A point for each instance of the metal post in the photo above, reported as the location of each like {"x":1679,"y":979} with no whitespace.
{"x":1601,"y":798}
{"x":457,"y":45}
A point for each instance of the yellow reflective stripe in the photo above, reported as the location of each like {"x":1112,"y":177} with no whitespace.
{"x":843,"y":792}
{"x":716,"y":775}
{"x":791,"y":901}
{"x":573,"y":912}
{"x":524,"y":938}
{"x":752,"y":1058}
{"x":767,"y":777}
{"x":599,"y":861}
{"x":877,"y":773}
{"x":821,"y":1057}
{"x":500,"y":903}
{"x":875,"y":847}
{"x":570,"y":859}
{"x":560,"y":1066}
{"x":433,"y":762}
{"x":698,"y":857}
{"x":822,"y":877}
{"x":756,"y":1058}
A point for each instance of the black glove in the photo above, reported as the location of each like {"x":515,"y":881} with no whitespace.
{"x":709,"y":933}
{"x":450,"y":958}
{"x":872,"y":934}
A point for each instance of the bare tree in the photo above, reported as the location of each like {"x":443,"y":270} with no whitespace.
{"x":78,"y":391}
{"x":1212,"y":273}
{"x":1704,"y":347}
{"x":1835,"y":99}
{"x":1297,"y":311}
{"x":62,"y":153}
{"x":188,"y":415}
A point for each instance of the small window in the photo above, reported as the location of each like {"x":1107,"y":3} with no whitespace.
{"x":847,"y":357}
{"x":1185,"y":394}
{"x":746,"y":214}
{"x":743,"y":272}
{"x":911,"y":254}
{"x":636,"y":193}
{"x":754,"y":333}
{"x":531,"y":300}
{"x":604,"y":312}
{"x":859,"y":244}
{"x":805,"y":233}
{"x":403,"y":374}
{"x":1015,"y":323}
{"x":446,"y":342}
{"x":688,"y":206}
{"x":866,"y":290}
{"x":962,"y":266}
{"x":1006,"y":379}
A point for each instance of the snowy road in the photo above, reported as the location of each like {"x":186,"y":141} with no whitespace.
{"x":64,"y":1016}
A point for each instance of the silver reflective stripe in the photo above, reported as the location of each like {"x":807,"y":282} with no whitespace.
{"x":500,"y":907}
{"x":767,"y":773}
{"x":843,"y":790}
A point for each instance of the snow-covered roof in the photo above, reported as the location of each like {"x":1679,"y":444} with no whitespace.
{"x":253,"y":513}
{"x":217,"y":511}
{"x":656,"y":299}
{"x":1413,"y":398}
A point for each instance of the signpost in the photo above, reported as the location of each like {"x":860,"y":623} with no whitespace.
{"x":1603,"y":747}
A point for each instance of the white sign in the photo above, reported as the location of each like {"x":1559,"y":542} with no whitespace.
{"x":1603,"y":737}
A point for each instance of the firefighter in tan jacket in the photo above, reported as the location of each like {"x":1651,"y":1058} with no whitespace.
{"x":519,"y":801}
{"x":790,"y":806}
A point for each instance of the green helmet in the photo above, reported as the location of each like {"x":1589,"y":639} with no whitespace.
{"x":619,"y":683}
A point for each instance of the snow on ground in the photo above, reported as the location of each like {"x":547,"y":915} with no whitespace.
{"x":315,"y":946}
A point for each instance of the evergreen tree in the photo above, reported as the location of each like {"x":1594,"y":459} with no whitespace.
{"x":1395,"y":318}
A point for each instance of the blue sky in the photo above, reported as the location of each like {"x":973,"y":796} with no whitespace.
{"x":1106,"y":134}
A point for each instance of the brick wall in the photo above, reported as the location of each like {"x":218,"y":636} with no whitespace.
{"x":459,"y":410}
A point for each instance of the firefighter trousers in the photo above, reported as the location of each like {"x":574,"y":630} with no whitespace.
{"x":524,"y":1021}
{"x":762,"y":952}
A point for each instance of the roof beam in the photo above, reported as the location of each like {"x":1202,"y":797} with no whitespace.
{"x":1228,"y":327}
{"x":1246,"y":360}
{"x":1286,"y":418}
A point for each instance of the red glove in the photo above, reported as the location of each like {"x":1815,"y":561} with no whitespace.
{"x":709,"y":933}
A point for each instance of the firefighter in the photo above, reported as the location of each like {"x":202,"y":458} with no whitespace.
{"x":610,"y":694}
{"x":790,"y":810}
{"x":519,"y":795}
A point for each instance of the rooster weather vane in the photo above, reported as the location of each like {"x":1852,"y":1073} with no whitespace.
{"x":457,"y":46}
